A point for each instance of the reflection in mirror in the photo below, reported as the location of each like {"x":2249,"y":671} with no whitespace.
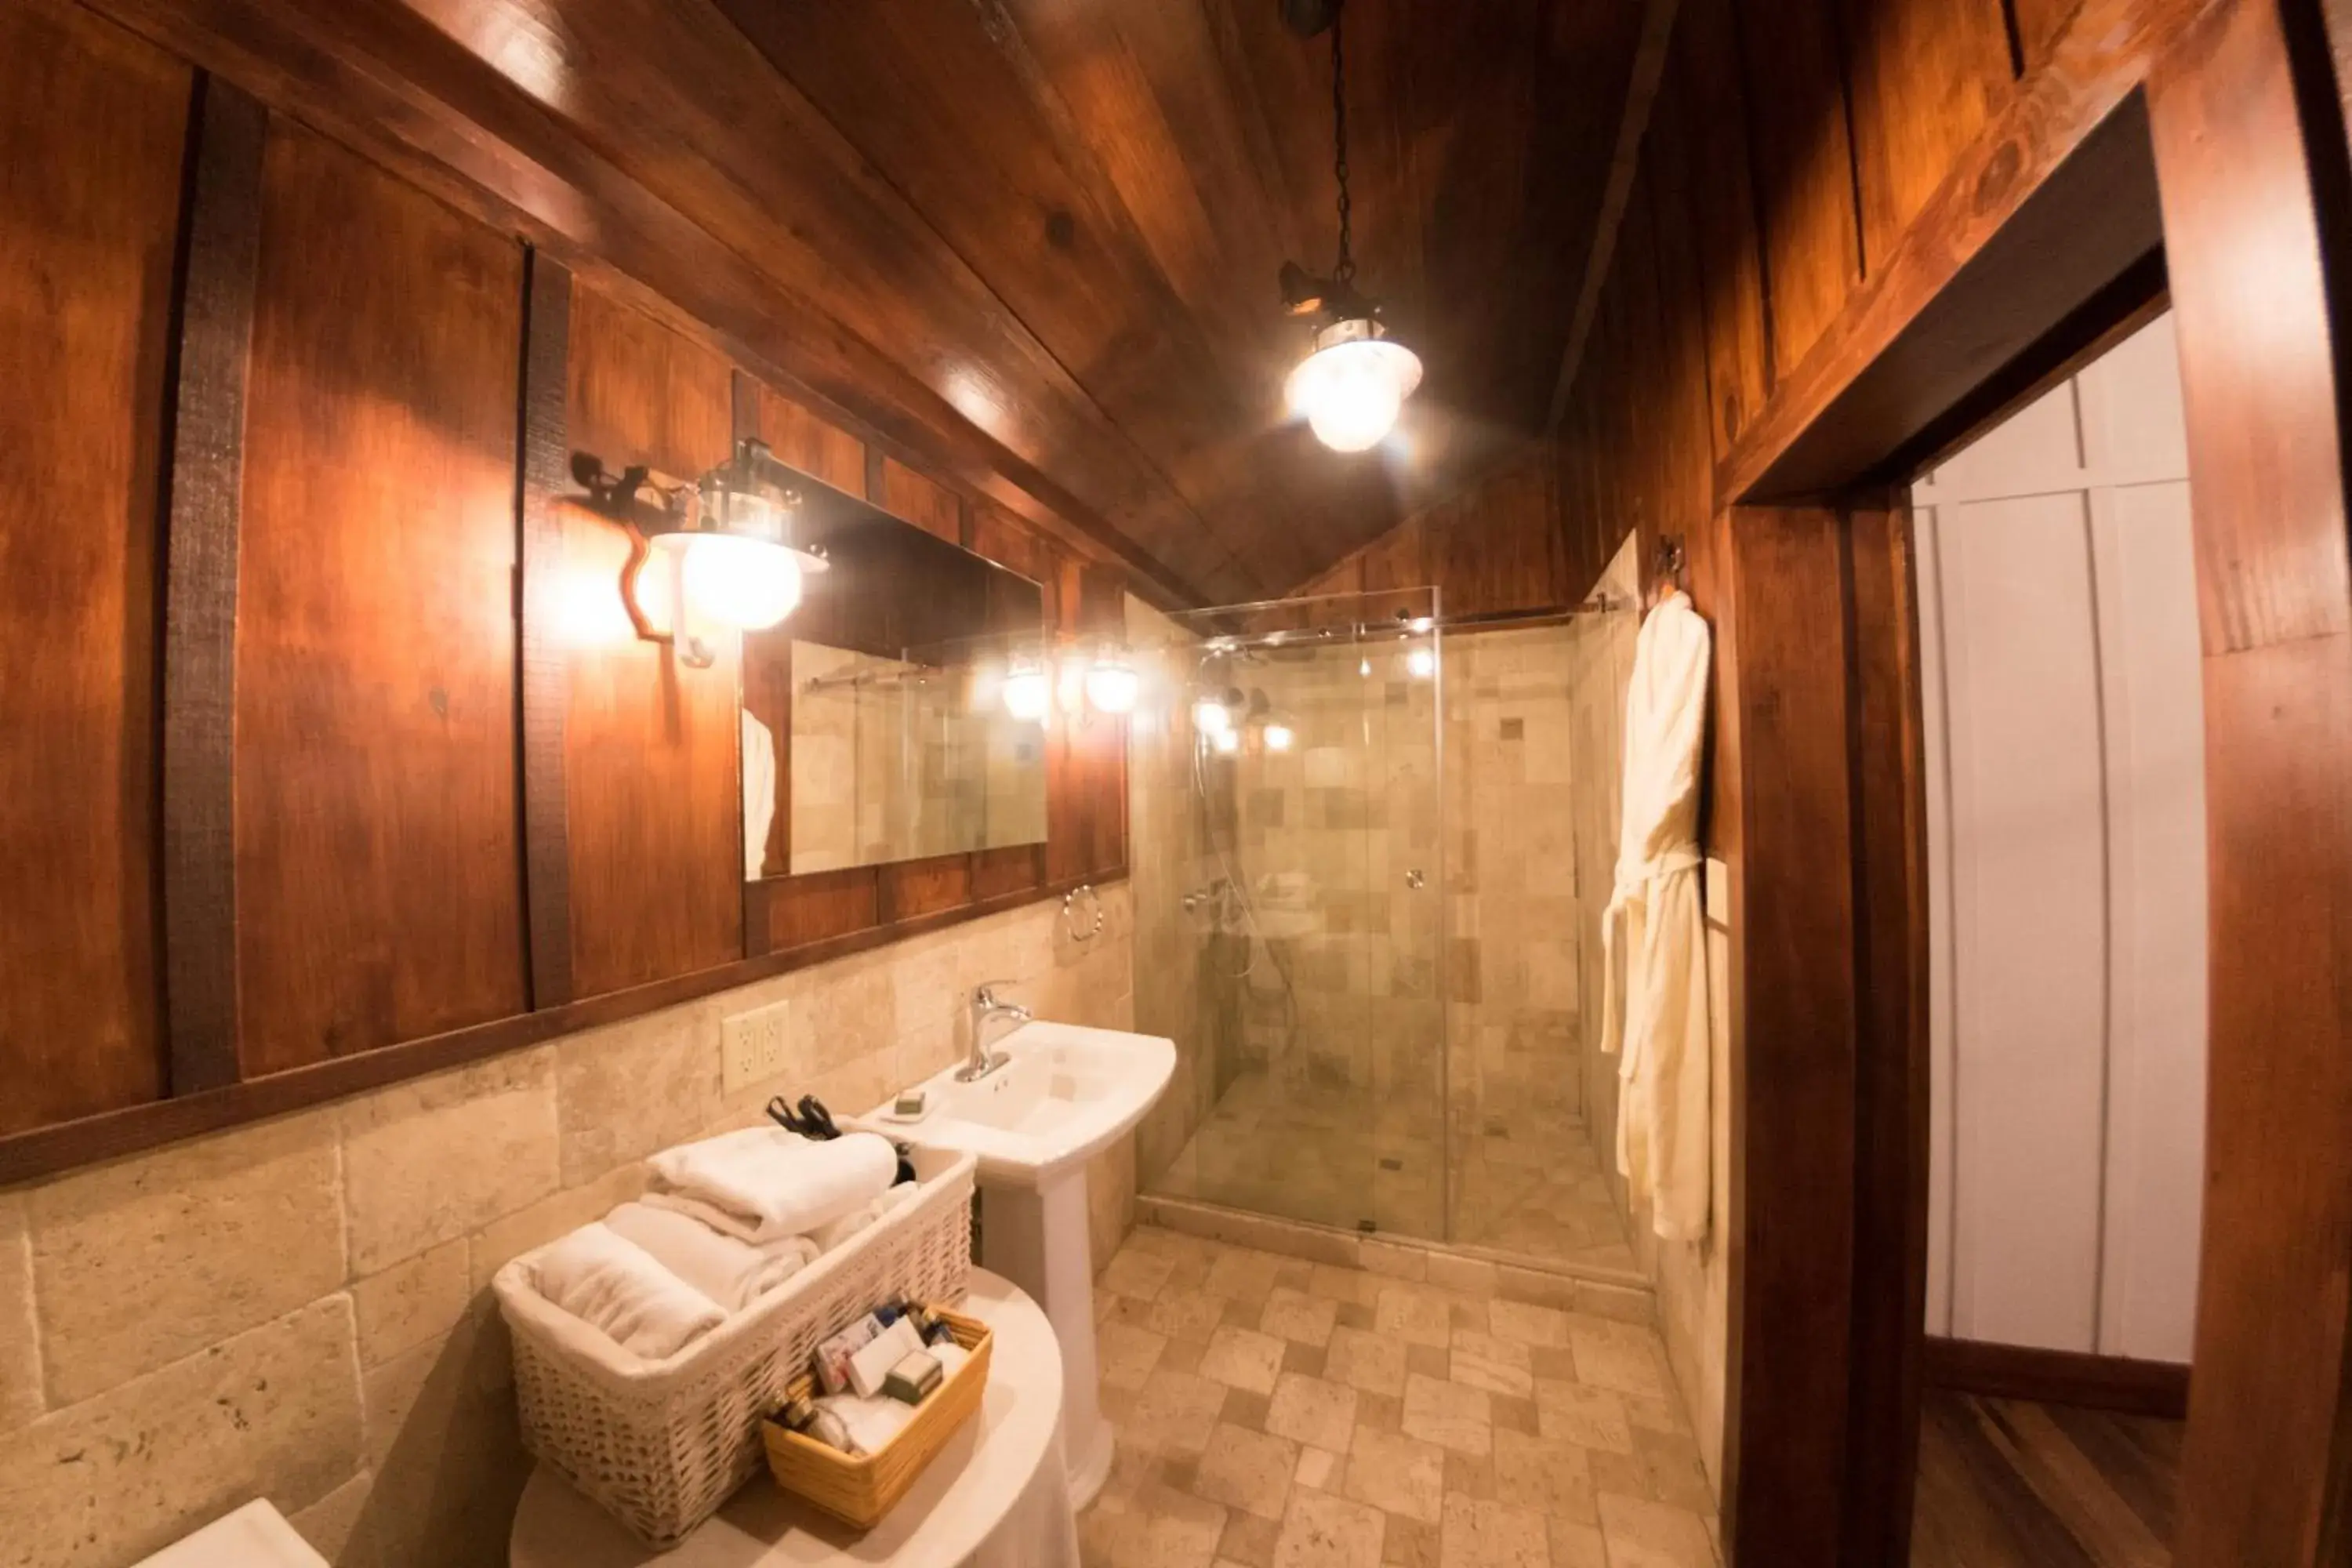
{"x":898,"y":759}
{"x":874,"y":727}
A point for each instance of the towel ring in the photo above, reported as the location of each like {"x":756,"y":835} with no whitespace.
{"x":1082,"y":928}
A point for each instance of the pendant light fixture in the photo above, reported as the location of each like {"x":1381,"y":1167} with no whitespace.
{"x":1352,"y":384}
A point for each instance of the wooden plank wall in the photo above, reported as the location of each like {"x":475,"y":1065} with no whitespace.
{"x":406,"y":727}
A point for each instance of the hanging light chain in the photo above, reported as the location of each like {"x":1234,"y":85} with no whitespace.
{"x":1345,"y":270}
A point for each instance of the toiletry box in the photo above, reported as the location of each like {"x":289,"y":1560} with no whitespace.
{"x":660,"y":1445}
{"x":859,"y":1491}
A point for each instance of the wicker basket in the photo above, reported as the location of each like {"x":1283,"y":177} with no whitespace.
{"x":660,"y":1445}
{"x":859,"y":1491}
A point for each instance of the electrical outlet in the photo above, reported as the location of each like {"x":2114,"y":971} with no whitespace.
{"x":751,"y":1045}
{"x":739,"y":1052}
{"x":769,"y":1027}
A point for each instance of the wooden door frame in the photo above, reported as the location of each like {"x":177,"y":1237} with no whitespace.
{"x":1821,"y":816}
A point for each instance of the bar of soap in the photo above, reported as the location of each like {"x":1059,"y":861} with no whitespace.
{"x":872,"y":1361}
{"x":913,"y":1377}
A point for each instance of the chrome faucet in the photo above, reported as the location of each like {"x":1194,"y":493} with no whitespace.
{"x":985,"y":1006}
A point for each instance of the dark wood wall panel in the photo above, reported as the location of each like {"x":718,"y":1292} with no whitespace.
{"x":908,"y":889}
{"x":927,"y":504}
{"x":1706,"y":98}
{"x":650,"y":745}
{"x":1804,"y":166}
{"x":2036,"y":24}
{"x":1926,"y":77}
{"x":809,"y":443}
{"x":91,"y":128}
{"x":2267,"y":1463}
{"x":379,"y":886}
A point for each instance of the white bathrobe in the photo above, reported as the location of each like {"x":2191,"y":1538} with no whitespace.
{"x":1655,"y":1012}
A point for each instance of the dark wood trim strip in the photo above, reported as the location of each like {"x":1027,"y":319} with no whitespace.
{"x":2058,"y":1377}
{"x":745,"y":393}
{"x":204,"y":503}
{"x":544,"y":690}
{"x":45,"y":1152}
{"x":874,"y":471}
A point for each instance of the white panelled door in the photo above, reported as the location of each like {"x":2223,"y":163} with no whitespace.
{"x":2066,"y":869}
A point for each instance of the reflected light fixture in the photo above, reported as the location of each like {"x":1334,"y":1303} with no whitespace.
{"x":1353,"y":383}
{"x":1028,"y":697}
{"x":1421,"y":663}
{"x":1279,"y":737}
{"x":727,"y":540}
{"x":1211,"y":718}
{"x":1112,"y":685}
{"x":1226,"y":741}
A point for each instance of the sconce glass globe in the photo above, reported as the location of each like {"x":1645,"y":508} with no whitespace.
{"x":1028,"y":697}
{"x":1226,"y":741}
{"x":1112,"y":686}
{"x":1280,"y":737}
{"x":737,"y":582}
{"x":1211,"y":717}
{"x":1421,"y":663}
{"x":1353,"y":386}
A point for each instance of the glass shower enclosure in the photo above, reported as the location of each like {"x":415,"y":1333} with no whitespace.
{"x":1304,"y":741}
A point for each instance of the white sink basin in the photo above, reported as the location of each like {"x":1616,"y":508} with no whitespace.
{"x":1065,"y":1094}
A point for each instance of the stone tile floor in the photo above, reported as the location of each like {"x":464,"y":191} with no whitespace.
{"x":1528,"y":1180}
{"x":1271,"y":1413}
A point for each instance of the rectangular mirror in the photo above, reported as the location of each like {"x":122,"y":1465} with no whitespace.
{"x":874,"y":728}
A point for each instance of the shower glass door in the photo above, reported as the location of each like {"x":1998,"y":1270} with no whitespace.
{"x":1314,"y":909}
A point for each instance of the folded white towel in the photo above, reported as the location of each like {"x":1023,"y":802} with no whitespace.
{"x":849,"y":1225}
{"x":872,"y":1422}
{"x":730,"y":1272}
{"x":616,"y":1286}
{"x":764,"y":1184}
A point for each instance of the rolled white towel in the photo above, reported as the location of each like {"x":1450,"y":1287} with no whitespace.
{"x":615,"y":1286}
{"x":849,"y":1225}
{"x":764,"y":1185}
{"x":732,"y":1273}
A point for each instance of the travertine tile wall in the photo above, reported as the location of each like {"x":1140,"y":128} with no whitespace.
{"x":1515,"y":783}
{"x":1328,"y":834}
{"x":1692,"y":1279}
{"x":299,"y":1311}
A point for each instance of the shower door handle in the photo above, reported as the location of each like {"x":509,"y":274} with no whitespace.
{"x":1414,"y":880}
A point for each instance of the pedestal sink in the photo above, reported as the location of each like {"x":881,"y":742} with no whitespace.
{"x":1063,"y":1095}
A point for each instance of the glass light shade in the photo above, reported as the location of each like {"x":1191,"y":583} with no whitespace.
{"x":747,"y":584}
{"x":1351,"y":391}
{"x":1027,"y":695}
{"x":1279,"y":737}
{"x":1211,"y":718}
{"x":1421,"y":663}
{"x":1226,"y":740}
{"x":1112,"y":687}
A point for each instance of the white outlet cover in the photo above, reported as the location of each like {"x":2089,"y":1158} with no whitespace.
{"x":739,"y":1052}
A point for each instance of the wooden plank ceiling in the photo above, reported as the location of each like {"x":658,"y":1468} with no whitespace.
{"x":1059,"y":221}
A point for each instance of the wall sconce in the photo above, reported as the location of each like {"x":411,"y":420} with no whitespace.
{"x":733,"y":555}
{"x":1076,"y":683}
{"x":1112,"y":684}
{"x":1028,"y":698}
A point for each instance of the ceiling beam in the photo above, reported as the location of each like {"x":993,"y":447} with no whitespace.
{"x":1641,"y":95}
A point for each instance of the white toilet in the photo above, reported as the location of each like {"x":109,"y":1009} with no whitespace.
{"x":255,"y":1536}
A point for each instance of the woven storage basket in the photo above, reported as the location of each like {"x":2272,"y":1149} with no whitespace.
{"x":660,"y":1445}
{"x":860,"y":1492}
